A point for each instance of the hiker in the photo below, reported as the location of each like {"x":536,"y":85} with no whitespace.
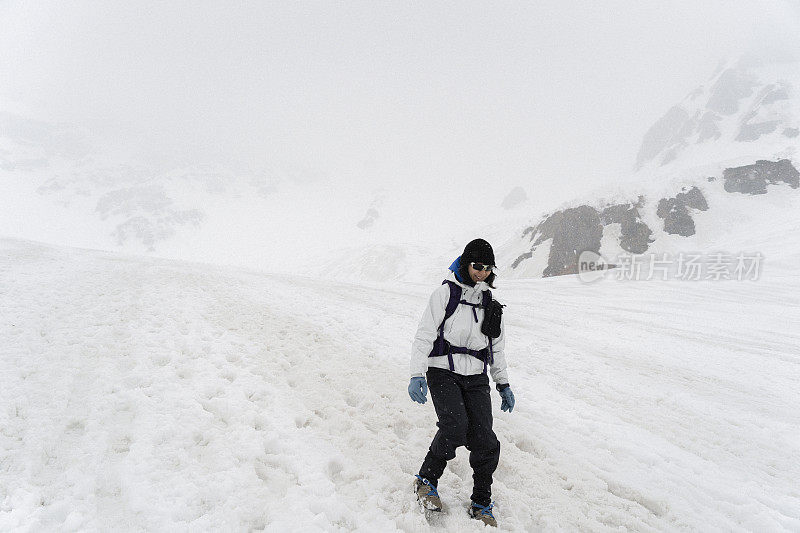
{"x":460,"y":337}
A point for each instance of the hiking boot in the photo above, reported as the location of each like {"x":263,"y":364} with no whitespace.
{"x":484,"y":514}
{"x":427,"y":495}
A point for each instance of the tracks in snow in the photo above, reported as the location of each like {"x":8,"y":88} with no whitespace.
{"x":179,"y":396}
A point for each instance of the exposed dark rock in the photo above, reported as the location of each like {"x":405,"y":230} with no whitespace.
{"x":151,"y":200}
{"x":711,"y":178}
{"x":693,"y":198}
{"x":752,"y":179}
{"x":149,"y":214}
{"x":139,"y":228}
{"x":675,"y":211}
{"x":708,"y":128}
{"x":680,"y":140}
{"x":635,"y":235}
{"x":731,"y":86}
{"x":672,"y":154}
{"x":752,"y":131}
{"x":514,"y":198}
{"x":666,"y":132}
{"x":731,"y":98}
{"x":521,"y":258}
{"x":369,"y":218}
{"x":573,"y":231}
{"x":580,"y":229}
{"x":774,"y":94}
{"x":149,"y":231}
{"x":677,"y":219}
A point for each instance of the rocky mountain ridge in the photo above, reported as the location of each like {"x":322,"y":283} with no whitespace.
{"x":742,"y":104}
{"x":736,"y":135}
{"x":559,"y":238}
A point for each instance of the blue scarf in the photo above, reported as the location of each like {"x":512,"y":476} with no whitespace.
{"x":455,"y":268}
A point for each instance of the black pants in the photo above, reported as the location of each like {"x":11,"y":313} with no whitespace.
{"x":464,"y":407}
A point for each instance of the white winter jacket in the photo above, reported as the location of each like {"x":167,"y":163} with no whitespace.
{"x":461,"y":329}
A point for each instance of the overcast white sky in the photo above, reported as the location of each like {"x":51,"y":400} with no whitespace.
{"x":502,"y":93}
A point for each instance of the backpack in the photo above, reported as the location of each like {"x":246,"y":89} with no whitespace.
{"x":490,"y":328}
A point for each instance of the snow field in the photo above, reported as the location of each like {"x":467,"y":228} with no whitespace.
{"x":143,"y":394}
{"x":676,"y":397}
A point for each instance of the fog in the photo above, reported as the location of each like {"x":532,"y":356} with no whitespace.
{"x":467,"y":99}
{"x":396,"y":91}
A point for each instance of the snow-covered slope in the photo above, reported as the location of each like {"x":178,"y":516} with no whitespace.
{"x":747,"y":108}
{"x":720,"y":162}
{"x":69,"y":187}
{"x":141,"y":393}
{"x":723,"y":159}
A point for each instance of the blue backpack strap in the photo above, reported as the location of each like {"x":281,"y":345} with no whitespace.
{"x":485,"y":302}
{"x":440,"y":346}
{"x":452,"y":303}
{"x":474,"y":308}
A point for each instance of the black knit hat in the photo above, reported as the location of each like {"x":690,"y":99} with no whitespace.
{"x":478,"y":251}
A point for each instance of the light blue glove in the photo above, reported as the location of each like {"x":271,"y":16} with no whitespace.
{"x":418,"y":389}
{"x":508,"y":400}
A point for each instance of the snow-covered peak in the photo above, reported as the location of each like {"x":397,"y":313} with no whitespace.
{"x":515,"y":198}
{"x":747,"y":107}
{"x":717,"y":167}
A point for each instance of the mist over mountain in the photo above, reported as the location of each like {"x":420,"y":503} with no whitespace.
{"x":310,"y":142}
{"x":717,"y":165}
{"x":733,"y":136}
{"x":220,"y":224}
{"x":72,"y":188}
{"x":744,"y":102}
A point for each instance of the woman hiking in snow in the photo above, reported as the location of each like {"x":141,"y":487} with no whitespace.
{"x":459,"y":337}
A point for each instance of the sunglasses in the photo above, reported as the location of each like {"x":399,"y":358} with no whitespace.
{"x":481,"y":266}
